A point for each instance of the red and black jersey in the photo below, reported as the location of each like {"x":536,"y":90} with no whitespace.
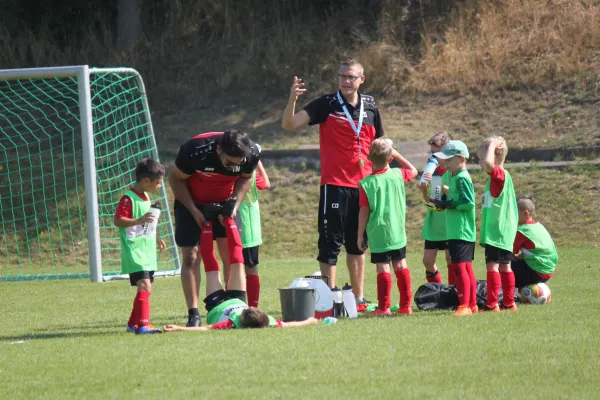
{"x":342,"y":164}
{"x":210,"y":181}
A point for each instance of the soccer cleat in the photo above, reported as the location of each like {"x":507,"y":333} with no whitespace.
{"x":362,"y":305}
{"x":147,"y":330}
{"x":512,"y":307}
{"x":490,"y":309}
{"x":475,"y":310}
{"x":462,"y":311}
{"x":194,"y":321}
{"x":380,"y":313}
{"x":131,"y":328}
{"x":404,"y":311}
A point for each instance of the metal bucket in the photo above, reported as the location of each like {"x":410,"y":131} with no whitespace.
{"x":297,"y":304}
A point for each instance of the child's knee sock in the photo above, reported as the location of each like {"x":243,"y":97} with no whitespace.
{"x":234,"y":243}
{"x":253,"y":290}
{"x":508,"y":288}
{"x":493,"y":288}
{"x":384,"y":290}
{"x":207,"y":249}
{"x":463,"y":284}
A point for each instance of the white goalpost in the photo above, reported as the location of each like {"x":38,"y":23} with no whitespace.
{"x":70,"y":138}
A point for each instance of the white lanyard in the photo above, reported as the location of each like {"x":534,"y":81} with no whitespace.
{"x":355,"y":128}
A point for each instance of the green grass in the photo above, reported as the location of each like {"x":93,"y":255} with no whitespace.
{"x":74,"y":345}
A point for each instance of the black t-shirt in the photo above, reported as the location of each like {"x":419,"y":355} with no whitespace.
{"x":210,"y":181}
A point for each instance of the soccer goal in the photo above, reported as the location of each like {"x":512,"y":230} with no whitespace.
{"x":70,"y":138}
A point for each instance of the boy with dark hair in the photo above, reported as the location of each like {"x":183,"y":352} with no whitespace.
{"x":228,"y":310}
{"x":382,"y":214}
{"x":460,"y":224}
{"x":139,"y":238}
{"x":536,"y":255}
{"x":434,"y":226}
{"x":499,"y":219}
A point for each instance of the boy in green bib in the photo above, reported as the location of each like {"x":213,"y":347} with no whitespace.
{"x":434,"y":226}
{"x":382,"y":201}
{"x":536,"y":255}
{"x":499,"y":219}
{"x":137,"y":222}
{"x":459,"y":203}
{"x":248,"y":222}
{"x":228,"y":310}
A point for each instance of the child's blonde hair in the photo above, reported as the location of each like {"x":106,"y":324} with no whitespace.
{"x":380,"y":151}
{"x":440,"y":139}
{"x":502,"y":149}
{"x":526,"y":203}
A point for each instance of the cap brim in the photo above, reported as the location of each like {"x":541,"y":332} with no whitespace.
{"x":442,"y":156}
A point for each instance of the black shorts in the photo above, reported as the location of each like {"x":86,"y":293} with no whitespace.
{"x":187,"y":231}
{"x":136,"y":276}
{"x":338,"y":222}
{"x":387,"y":256}
{"x":524,"y":274}
{"x":461,"y":250}
{"x":436,"y":244}
{"x":496,"y":255}
{"x":250,"y":256}
{"x":218,"y":297}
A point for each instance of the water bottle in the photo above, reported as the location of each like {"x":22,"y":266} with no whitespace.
{"x":432,"y":164}
{"x":329,"y":321}
{"x":349,"y":302}
{"x":338,"y":305}
{"x":151,"y":227}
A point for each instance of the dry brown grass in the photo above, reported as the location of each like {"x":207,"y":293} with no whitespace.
{"x":513,"y":43}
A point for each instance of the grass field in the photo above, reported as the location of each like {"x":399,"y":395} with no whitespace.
{"x":66,"y":339}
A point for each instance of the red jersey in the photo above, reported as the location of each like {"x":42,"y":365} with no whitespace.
{"x":344,"y":157}
{"x":210,"y":181}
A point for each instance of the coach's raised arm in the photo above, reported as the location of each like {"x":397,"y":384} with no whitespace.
{"x":213,"y":167}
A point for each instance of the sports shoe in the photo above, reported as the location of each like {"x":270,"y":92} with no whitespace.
{"x":362,"y":305}
{"x":404,"y":311}
{"x":512,"y":307}
{"x":131,"y":328}
{"x":475,"y":310}
{"x":490,"y":309}
{"x":147,"y":330}
{"x":380,"y":313}
{"x":462,"y":311}
{"x":194,"y":321}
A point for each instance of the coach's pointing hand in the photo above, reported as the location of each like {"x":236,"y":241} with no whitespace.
{"x":297,"y":89}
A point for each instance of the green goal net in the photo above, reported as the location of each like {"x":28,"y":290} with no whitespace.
{"x":70,"y":139}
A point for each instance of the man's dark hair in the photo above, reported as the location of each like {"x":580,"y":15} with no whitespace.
{"x":148,"y":168}
{"x":252,"y":317}
{"x":236,"y":144}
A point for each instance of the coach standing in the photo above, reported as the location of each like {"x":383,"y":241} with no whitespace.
{"x":210,"y":168}
{"x":348,"y":123}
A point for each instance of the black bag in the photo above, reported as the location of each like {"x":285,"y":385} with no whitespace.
{"x":436,"y":296}
{"x":482,"y":294}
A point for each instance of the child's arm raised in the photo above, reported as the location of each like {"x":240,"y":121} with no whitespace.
{"x":404,"y":163}
{"x":490,"y":156}
{"x":262,"y":179}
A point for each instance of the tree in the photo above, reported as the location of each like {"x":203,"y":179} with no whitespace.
{"x":129,"y":24}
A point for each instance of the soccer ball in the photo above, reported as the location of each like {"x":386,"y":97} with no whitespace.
{"x":538,"y":293}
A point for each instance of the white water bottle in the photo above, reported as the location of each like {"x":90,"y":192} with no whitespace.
{"x":151,"y":227}
{"x":338,"y":305}
{"x":349,"y":301}
{"x":432,"y":164}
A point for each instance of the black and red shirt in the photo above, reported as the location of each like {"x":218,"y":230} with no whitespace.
{"x":342,"y":164}
{"x":210,"y":181}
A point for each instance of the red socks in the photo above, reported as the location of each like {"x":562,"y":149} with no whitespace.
{"x":207,"y":249}
{"x":493,"y":288}
{"x":252,"y":290}
{"x":140,"y":315}
{"x":451,"y":279}
{"x":234,"y":242}
{"x":384,"y":290}
{"x":508,"y":288}
{"x":437,"y":278}
{"x":403,"y":281}
{"x":463,"y":284}
{"x":473,"y":285}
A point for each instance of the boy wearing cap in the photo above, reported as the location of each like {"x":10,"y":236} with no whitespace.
{"x":459,"y":204}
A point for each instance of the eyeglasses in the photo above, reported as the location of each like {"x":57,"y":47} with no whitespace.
{"x":349,"y":78}
{"x":230,"y":164}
